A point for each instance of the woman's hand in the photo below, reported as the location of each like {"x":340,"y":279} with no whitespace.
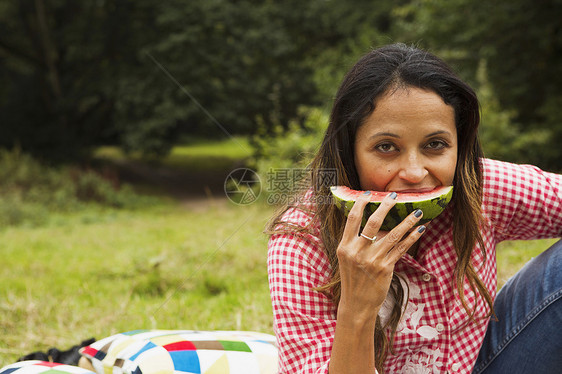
{"x":366,"y":266}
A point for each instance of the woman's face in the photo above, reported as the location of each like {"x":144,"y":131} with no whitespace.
{"x":408,"y":143}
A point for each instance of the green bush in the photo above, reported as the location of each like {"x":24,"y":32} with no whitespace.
{"x":15,"y":212}
{"x":287,"y":153}
{"x":501,"y":136}
{"x":31,"y":191}
{"x":90,"y":186}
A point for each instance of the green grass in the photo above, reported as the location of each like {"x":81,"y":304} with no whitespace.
{"x":164,"y":267}
{"x":203,"y":155}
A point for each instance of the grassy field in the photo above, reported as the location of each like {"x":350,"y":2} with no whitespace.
{"x":160,"y":268}
{"x":101,"y":271}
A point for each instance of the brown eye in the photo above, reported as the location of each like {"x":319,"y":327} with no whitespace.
{"x":385,"y":147}
{"x":436,"y":145}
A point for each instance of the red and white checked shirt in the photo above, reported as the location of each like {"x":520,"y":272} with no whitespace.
{"x":519,"y":202}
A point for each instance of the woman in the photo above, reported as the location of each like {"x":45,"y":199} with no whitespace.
{"x":352,"y":299}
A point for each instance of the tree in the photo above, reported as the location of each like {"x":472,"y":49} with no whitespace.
{"x":141,"y":73}
{"x":60,"y":60}
{"x":521,"y":42}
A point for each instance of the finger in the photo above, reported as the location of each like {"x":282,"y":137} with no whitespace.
{"x":401,"y":248}
{"x":355,"y":216}
{"x":396,"y":234}
{"x":376,"y":219}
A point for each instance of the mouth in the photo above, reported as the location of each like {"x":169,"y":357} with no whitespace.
{"x":416,"y":190}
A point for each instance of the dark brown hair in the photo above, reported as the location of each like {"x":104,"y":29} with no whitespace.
{"x":393,"y":67}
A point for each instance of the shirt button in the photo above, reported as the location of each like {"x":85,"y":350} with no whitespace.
{"x":439,"y":327}
{"x":426,"y":277}
{"x":456,"y":366}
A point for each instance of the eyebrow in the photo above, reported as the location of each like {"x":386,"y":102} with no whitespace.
{"x":440,"y":132}
{"x":384,"y":134}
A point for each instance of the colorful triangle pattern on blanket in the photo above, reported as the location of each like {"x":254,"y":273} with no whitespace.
{"x":42,"y":367}
{"x":184,"y":351}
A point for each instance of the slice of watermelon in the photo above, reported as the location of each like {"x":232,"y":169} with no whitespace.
{"x":431,"y":203}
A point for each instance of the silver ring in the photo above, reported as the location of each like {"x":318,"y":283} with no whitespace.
{"x":366,"y":237}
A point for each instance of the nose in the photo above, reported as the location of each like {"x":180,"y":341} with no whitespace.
{"x":413,"y":169}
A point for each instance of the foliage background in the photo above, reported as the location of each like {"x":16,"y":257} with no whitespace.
{"x":142,"y":75}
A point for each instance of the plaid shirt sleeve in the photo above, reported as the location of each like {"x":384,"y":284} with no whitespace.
{"x":304,"y":319}
{"x":522,"y":202}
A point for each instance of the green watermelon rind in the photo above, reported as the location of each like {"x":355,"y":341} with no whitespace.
{"x":431,"y":208}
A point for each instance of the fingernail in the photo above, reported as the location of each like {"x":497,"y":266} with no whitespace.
{"x":367,"y":193}
{"x":393,"y":195}
{"x":421,"y":229}
{"x":418,"y":213}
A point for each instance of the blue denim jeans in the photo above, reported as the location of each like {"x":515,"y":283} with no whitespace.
{"x":527,"y":338}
